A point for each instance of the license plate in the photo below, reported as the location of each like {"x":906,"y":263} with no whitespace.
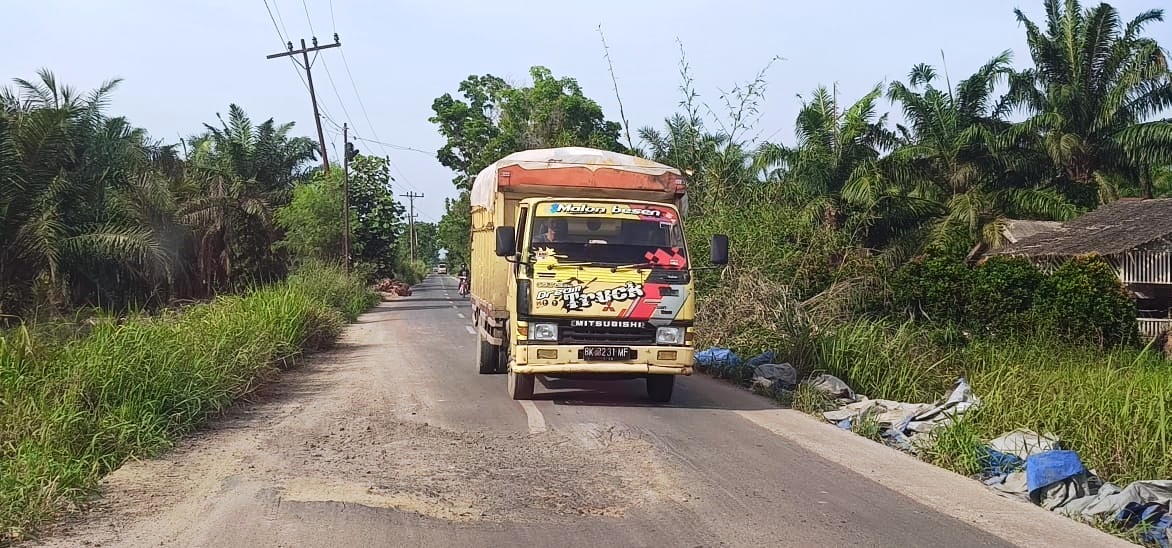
{"x":606,"y":353}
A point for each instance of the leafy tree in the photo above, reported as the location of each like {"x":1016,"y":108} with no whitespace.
{"x":553,"y":112}
{"x":496,"y":119}
{"x":1095,"y":85}
{"x":313,"y":222}
{"x":1002,"y":291}
{"x":377,"y":218}
{"x":953,"y":162}
{"x":455,"y":228}
{"x":427,"y":241}
{"x":1083,"y":300}
{"x":470,"y":127}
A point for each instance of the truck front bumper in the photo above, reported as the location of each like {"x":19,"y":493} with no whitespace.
{"x":564,"y":359}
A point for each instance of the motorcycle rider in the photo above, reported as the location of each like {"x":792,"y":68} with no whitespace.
{"x":465,"y":282}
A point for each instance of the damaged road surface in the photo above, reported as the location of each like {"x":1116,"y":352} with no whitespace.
{"x":393,"y":439}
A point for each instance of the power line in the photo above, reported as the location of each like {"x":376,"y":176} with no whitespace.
{"x":411,"y":196}
{"x":289,"y":44}
{"x":396,"y":147}
{"x":358,"y":96}
{"x":280,"y":18}
{"x":304,"y":51}
{"x":307,"y":17}
{"x":330,"y":75}
{"x":362,"y":105}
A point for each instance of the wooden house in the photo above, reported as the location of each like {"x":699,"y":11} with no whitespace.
{"x":1134,"y":236}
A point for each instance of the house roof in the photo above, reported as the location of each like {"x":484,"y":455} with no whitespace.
{"x":1117,"y":227}
{"x":1016,"y":230}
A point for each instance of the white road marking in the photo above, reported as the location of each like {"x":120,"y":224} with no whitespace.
{"x":471,"y":331}
{"x":534,"y":416}
{"x":460,"y":314}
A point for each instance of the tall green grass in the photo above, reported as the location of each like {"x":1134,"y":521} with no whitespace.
{"x":73,"y":411}
{"x":1111,"y":406}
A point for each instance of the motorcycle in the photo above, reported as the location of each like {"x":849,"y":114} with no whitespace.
{"x":463,"y":289}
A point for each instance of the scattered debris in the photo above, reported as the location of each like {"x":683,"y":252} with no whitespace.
{"x":1035,"y":468}
{"x":902,"y":425}
{"x":717,"y":359}
{"x":1019,"y":464}
{"x":834,"y":387}
{"x":773,"y":376}
{"x":394,"y":287}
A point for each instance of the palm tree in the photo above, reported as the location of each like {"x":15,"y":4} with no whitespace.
{"x":1095,"y":85}
{"x":713,"y":162}
{"x":953,"y":162}
{"x":240,"y":174}
{"x":64,"y":164}
{"x":834,"y":164}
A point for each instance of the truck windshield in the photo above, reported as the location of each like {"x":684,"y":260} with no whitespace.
{"x":638,"y":234}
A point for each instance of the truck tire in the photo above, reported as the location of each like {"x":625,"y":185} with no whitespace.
{"x":659,"y":387}
{"x":520,"y":386}
{"x":486,"y":356}
{"x":502,"y":358}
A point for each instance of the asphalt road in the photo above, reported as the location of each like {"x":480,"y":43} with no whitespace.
{"x":393,"y":439}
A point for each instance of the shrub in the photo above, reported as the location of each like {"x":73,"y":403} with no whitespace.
{"x":935,"y":287}
{"x":770,"y":238}
{"x":1083,"y":300}
{"x":1001,"y":293}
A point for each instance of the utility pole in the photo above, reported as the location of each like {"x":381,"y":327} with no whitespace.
{"x":304,"y":51}
{"x":411,"y":196}
{"x":349,"y":152}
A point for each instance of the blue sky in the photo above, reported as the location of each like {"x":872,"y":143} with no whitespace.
{"x":183,"y":62}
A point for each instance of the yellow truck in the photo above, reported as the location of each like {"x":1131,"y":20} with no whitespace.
{"x":580,"y":269}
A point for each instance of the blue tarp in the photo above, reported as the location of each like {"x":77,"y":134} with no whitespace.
{"x":996,"y":463}
{"x":1046,"y":469}
{"x":762,"y":359}
{"x":717,"y":358}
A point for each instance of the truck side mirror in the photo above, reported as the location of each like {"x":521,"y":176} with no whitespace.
{"x":719,"y":249}
{"x":506,"y":241}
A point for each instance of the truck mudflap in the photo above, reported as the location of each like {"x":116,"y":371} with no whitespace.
{"x":565,"y":359}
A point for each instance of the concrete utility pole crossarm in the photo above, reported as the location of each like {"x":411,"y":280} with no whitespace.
{"x":304,"y":51}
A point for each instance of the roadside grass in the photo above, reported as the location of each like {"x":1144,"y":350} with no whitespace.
{"x":1111,"y":406}
{"x":73,"y":409}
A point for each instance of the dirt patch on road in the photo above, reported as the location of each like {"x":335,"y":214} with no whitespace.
{"x":340,"y":430}
{"x":470,"y":476}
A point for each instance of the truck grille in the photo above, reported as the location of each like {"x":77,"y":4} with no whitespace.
{"x":605,"y":335}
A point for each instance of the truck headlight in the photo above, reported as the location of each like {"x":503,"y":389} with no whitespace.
{"x":669,"y":335}
{"x":543,"y":332}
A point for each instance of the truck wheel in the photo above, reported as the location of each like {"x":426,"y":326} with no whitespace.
{"x":502,"y":358}
{"x":659,"y":387}
{"x":486,"y":356}
{"x":520,"y":386}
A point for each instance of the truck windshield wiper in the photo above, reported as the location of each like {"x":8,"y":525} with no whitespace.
{"x":638,"y":266}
